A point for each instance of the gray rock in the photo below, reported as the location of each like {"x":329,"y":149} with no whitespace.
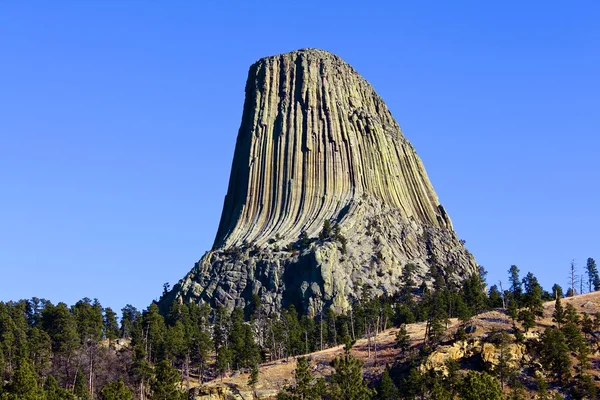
{"x":317,"y":144}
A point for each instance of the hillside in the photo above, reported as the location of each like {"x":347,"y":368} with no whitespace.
{"x":276,"y":375}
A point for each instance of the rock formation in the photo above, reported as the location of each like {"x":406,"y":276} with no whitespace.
{"x":318,"y":146}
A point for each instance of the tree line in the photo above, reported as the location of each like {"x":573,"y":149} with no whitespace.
{"x":84,"y":351}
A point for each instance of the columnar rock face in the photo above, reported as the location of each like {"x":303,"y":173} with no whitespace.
{"x":317,"y":144}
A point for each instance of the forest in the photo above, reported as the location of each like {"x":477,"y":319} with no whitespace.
{"x":86,"y":351}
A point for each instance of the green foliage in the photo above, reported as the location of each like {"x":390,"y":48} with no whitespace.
{"x":516,"y":287}
{"x":245,"y":352}
{"x":479,"y":385}
{"x":558,"y":315}
{"x":554,"y":353}
{"x":326,"y":231}
{"x":347,"y":382}
{"x":80,"y":390}
{"x":224,"y":359}
{"x":306,"y":387}
{"x":23,"y":385}
{"x":584,"y":388}
{"x":88,"y":319}
{"x":527,"y":319}
{"x":164,"y":384}
{"x":154,"y":326}
{"x":116,"y":390}
{"x":58,"y":322}
{"x":495,"y":297}
{"x":402,"y":340}
{"x":129,"y":317}
{"x":532,"y":297}
{"x":253,"y":376}
{"x":111,"y":326}
{"x":593,"y":277}
{"x":55,"y":392}
{"x":386,"y":390}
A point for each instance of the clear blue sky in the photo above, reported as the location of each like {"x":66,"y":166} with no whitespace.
{"x":118,"y":122}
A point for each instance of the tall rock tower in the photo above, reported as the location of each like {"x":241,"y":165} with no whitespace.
{"x":326,"y":196}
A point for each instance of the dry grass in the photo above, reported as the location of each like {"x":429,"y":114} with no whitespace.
{"x":280,"y":373}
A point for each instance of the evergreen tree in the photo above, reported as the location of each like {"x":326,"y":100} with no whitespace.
{"x":558,"y":315}
{"x":80,"y":389}
{"x":412,"y":384}
{"x":326,"y":231}
{"x":593,"y":277}
{"x":175,"y":344}
{"x":402,"y":340}
{"x":557,"y":291}
{"x":60,"y":325}
{"x":554,"y":353}
{"x":89,"y":320}
{"x":116,"y":390}
{"x":164,"y":384}
{"x":515,"y":283}
{"x":141,"y":370}
{"x":585,"y":388}
{"x":306,"y":387}
{"x":527,"y":318}
{"x":532,"y":297}
{"x":23,"y":385}
{"x":111,"y":327}
{"x":224,"y":360}
{"x":386,"y":389}
{"x":245,"y":352}
{"x":479,"y":385}
{"x":40,"y":350}
{"x":347,"y":382}
{"x":129,"y":317}
{"x":495,"y":297}
{"x":155,"y":331}
{"x":55,"y":392}
{"x":253,"y":376}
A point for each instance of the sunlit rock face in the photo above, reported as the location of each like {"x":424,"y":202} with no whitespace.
{"x":316,"y":144}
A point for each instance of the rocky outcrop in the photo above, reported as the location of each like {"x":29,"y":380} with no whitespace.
{"x":512,"y":354}
{"x":317,"y":144}
{"x":223,"y":392}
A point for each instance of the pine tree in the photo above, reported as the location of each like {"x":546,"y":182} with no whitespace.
{"x":81,"y":390}
{"x":224,"y":360}
{"x":585,"y":388}
{"x":164,"y":385}
{"x":495,"y":297}
{"x":111,"y":326}
{"x":593,"y":277}
{"x":515,"y":283}
{"x":347,"y":382}
{"x":116,"y":391}
{"x":386,"y":389}
{"x":253,"y":376}
{"x":558,"y":315}
{"x":527,"y":318}
{"x":557,"y":291}
{"x":532,"y":297}
{"x":326,"y":231}
{"x":129,"y":315}
{"x":23,"y":385}
{"x":479,"y":385}
{"x":55,"y":392}
{"x":141,"y":370}
{"x":155,"y":332}
{"x":554,"y":353}
{"x":306,"y":387}
{"x":40,"y":350}
{"x":402,"y":340}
